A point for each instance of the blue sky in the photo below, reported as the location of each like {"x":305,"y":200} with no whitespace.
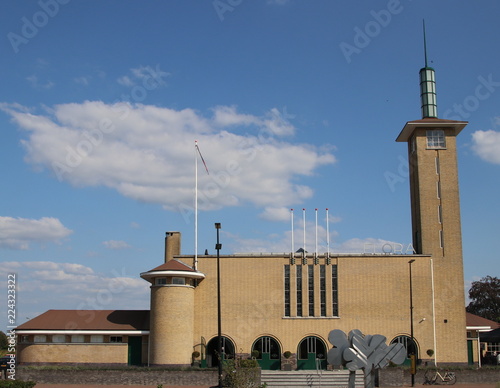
{"x":295,"y":104}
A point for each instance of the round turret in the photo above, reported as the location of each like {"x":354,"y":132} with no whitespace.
{"x":172,"y":312}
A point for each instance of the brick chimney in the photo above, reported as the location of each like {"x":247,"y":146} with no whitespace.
{"x":172,"y":245}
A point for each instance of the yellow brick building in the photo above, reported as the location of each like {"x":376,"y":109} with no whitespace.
{"x":272,"y":304}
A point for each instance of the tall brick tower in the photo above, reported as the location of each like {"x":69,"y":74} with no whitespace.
{"x":435,"y":213}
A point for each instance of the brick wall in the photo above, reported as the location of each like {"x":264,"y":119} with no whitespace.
{"x":125,"y":377}
{"x":397,"y":377}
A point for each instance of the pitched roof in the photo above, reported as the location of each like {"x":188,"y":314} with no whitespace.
{"x":173,"y":265}
{"x":89,"y":320}
{"x":476,"y":320}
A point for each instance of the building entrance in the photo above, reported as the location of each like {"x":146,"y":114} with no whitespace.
{"x":212,"y":354}
{"x":410,"y":346}
{"x":269,"y":353}
{"x":134,"y":350}
{"x":311,"y":353}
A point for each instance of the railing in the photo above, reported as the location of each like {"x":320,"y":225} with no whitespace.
{"x":319,"y":370}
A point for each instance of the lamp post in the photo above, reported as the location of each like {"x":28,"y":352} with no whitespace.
{"x":218,"y":247}
{"x":412,"y":354}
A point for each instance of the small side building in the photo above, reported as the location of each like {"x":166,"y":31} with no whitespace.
{"x":92,"y":337}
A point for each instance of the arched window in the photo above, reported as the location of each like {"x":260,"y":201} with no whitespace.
{"x":310,"y":351}
{"x":409,"y":344}
{"x":213,"y":353}
{"x":269,"y":353}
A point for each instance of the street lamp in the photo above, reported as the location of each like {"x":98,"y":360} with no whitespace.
{"x":218,"y":247}
{"x":412,"y":354}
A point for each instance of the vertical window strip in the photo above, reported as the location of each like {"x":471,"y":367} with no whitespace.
{"x":335,"y":301}
{"x":438,"y":187}
{"x":287,"y":290}
{"x":322,"y":287}
{"x":310,"y":283}
{"x":299,"y":290}
{"x":440,"y":214}
{"x":441,"y":239}
{"x":438,"y":167}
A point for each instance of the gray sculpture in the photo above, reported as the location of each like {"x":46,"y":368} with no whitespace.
{"x":366,"y":352}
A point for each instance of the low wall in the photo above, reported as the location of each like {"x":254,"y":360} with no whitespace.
{"x":118,"y":377}
{"x":397,"y":377}
{"x":389,"y":377}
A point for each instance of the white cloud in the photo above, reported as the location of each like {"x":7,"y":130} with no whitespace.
{"x":84,"y":80}
{"x":486,"y":144}
{"x":19,"y":233}
{"x":276,"y":214}
{"x":147,"y":76}
{"x":125,"y":81}
{"x":47,"y":285}
{"x":147,"y":153}
{"x":278,"y":2}
{"x":33,"y":80}
{"x":114,"y":244}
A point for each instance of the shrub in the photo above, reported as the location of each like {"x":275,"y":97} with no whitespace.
{"x":248,"y":364}
{"x":239,"y":376}
{"x":16,"y":384}
{"x":287,"y":354}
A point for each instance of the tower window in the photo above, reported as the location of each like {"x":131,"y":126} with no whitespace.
{"x":322,"y":285}
{"x":299,"y":290}
{"x":335,"y":294}
{"x":310,"y":285}
{"x":287,"y":290}
{"x":436,"y":139}
{"x":181,"y":281}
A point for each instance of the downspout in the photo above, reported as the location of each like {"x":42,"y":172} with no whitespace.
{"x":433,"y":314}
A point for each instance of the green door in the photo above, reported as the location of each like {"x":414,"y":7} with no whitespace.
{"x":470,"y":352}
{"x":311,"y":354}
{"x":269,"y":353}
{"x":134,"y":350}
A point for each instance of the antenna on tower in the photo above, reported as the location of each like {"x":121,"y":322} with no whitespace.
{"x":425,"y":44}
{"x":427,"y":87}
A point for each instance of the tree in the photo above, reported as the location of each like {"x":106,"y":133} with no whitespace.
{"x":485,"y":298}
{"x":3,"y":341}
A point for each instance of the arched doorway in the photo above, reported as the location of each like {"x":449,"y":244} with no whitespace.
{"x":269,"y":353}
{"x":410,"y":346}
{"x":213,"y":354}
{"x":310,"y":349}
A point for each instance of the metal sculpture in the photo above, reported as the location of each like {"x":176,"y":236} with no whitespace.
{"x":366,"y":352}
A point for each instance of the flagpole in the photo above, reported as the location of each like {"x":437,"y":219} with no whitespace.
{"x":195,"y":206}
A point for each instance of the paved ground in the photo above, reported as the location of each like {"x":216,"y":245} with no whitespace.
{"x":207,"y":386}
{"x":118,"y":386}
